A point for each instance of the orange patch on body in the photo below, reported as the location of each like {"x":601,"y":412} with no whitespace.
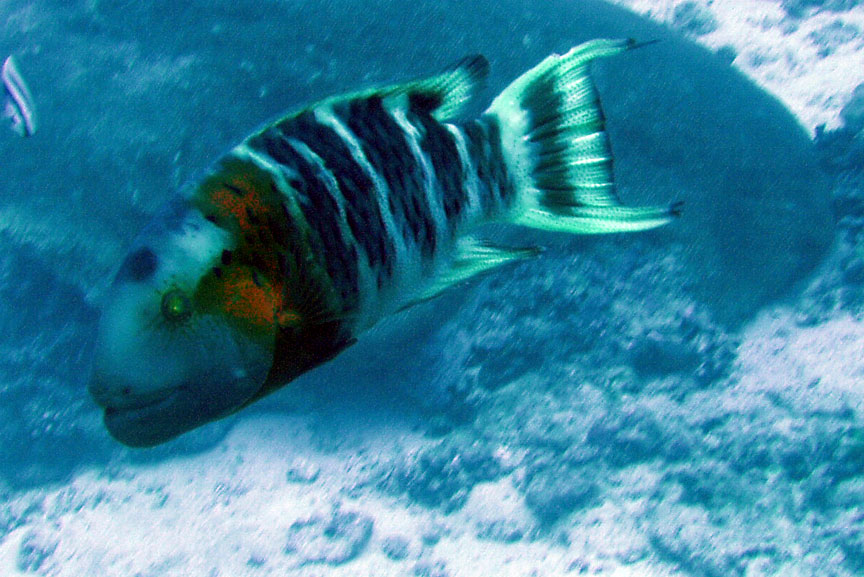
{"x":236,"y":194}
{"x":238,"y":207}
{"x":240,"y":198}
{"x":252,"y":303}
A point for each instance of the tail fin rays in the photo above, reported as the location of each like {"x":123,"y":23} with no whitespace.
{"x":557,"y":150}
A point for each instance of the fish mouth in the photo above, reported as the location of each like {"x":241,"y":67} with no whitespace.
{"x":137,"y":402}
{"x":154,"y":419}
{"x":143,"y":421}
{"x":142,"y":403}
{"x":146,"y":418}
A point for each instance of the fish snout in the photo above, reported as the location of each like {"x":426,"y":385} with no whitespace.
{"x":112,"y":393}
{"x":100,"y":391}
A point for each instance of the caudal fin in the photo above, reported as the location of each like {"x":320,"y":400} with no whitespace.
{"x":557,"y":151}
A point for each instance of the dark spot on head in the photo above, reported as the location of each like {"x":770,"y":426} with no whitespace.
{"x":211,"y":218}
{"x":138,"y":266}
{"x":217,"y":271}
{"x":227,"y":257}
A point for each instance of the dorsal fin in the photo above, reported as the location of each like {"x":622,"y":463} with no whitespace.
{"x":444,"y":96}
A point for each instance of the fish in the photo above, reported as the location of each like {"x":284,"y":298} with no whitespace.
{"x":353,"y":208}
{"x":18,"y":104}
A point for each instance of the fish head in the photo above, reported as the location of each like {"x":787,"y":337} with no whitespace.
{"x":169,"y":357}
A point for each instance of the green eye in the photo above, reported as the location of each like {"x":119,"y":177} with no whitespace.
{"x":176,"y":306}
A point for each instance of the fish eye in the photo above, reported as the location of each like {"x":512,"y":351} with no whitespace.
{"x":176,"y":306}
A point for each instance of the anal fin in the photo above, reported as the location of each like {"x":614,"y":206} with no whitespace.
{"x":472,"y":257}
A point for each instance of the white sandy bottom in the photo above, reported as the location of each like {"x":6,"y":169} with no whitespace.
{"x":232,"y":511}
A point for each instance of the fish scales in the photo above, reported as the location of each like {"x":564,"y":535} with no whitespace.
{"x":381,"y":159}
{"x":439,"y":145}
{"x":317,"y":226}
{"x":496,"y":189}
{"x":386,"y":148}
{"x":319,"y":199}
{"x":354,"y":184}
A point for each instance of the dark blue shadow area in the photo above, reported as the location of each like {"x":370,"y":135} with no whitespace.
{"x":47,"y":424}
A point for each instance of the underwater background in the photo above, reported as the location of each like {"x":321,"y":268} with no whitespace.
{"x":681,"y":402}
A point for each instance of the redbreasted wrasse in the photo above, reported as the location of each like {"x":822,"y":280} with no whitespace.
{"x":315,"y":227}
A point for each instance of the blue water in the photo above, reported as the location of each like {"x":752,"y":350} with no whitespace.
{"x":601,"y":361}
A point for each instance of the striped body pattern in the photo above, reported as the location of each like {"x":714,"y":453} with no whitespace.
{"x":373,"y":199}
{"x":342,"y":214}
{"x":318,"y":225}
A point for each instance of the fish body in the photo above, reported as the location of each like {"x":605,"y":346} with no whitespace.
{"x":18,"y":104}
{"x":317,"y":226}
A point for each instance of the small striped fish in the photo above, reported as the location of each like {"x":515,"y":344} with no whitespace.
{"x":18,"y":104}
{"x":314,"y":228}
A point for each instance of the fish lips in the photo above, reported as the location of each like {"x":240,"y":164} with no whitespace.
{"x":163,"y":418}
